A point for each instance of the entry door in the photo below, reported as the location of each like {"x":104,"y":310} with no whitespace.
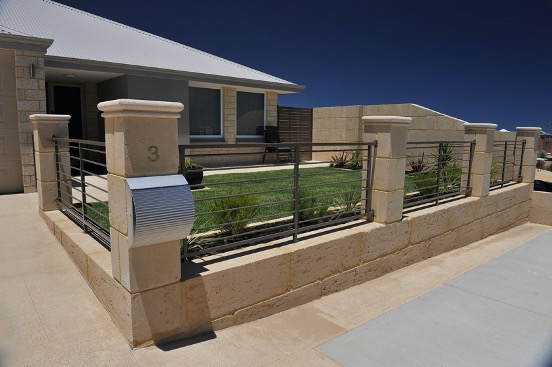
{"x":66,"y":100}
{"x":11,"y":175}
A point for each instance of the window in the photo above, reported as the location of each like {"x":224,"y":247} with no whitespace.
{"x":205,"y":112}
{"x":250,"y":113}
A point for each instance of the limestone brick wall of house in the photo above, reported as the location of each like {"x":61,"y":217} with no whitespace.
{"x":229,"y":109}
{"x":271,"y":106}
{"x":31,"y":99}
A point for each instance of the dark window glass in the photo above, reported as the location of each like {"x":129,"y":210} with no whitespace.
{"x":204,"y":111}
{"x":250,"y":114}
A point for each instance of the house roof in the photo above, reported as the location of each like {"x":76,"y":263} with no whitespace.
{"x":81,"y":36}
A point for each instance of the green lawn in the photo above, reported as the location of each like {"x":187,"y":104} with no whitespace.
{"x":278,"y":188}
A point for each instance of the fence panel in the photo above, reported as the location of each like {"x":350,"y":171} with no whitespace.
{"x":507,"y":162}
{"x":82,"y":185}
{"x":436,"y":171}
{"x":296,"y":126}
{"x":250,"y":204}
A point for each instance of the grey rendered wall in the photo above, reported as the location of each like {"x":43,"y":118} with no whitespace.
{"x":148,"y":88}
{"x":158,"y":89}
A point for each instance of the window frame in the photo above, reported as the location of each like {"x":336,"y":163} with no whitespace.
{"x":264,"y":115}
{"x":221,"y":117}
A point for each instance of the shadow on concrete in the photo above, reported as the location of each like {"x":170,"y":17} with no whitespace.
{"x":186,"y":342}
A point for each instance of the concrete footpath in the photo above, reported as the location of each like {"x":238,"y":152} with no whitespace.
{"x":487,"y":304}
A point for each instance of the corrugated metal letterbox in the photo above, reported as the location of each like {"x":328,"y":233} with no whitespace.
{"x":160,"y":209}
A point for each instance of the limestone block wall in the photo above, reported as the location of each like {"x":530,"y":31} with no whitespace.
{"x":505,"y":135}
{"x":271,"y":108}
{"x":219,"y":294}
{"x":31,"y":99}
{"x":225,"y":290}
{"x":344,"y":123}
{"x":541,"y":208}
{"x":229,"y":110}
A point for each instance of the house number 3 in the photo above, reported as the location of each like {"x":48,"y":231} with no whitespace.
{"x":154,"y":153}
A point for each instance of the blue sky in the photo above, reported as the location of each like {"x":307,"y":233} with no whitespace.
{"x":481,"y":61}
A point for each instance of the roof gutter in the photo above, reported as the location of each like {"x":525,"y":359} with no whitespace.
{"x":102,"y":66}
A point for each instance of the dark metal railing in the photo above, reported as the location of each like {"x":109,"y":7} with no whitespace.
{"x":507,"y":162}
{"x":437,"y":170}
{"x":82,"y":185}
{"x":243,"y":201}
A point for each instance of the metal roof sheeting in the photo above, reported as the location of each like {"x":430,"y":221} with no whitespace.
{"x":81,"y":35}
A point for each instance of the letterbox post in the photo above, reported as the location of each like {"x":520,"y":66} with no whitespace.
{"x":141,"y":141}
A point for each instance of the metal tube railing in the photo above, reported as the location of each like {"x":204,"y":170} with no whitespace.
{"x":437,"y":170}
{"x":506,"y":163}
{"x":83,"y":203}
{"x":286,"y":198}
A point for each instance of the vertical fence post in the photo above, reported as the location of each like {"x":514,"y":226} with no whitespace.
{"x":83,"y":189}
{"x":529,"y":152}
{"x":520,"y":173}
{"x":470,"y":165}
{"x":57,"y":163}
{"x":295,"y":194}
{"x":390,"y":132}
{"x":483,"y":135}
{"x":366,"y":197}
{"x":44,"y":128}
{"x":504,"y":157}
{"x":439,"y":166}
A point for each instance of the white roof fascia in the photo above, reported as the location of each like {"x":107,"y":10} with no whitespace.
{"x":24,"y":43}
{"x":78,"y":64}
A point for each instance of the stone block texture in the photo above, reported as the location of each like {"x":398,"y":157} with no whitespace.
{"x":240,"y":286}
{"x":31,"y":99}
{"x":343,"y":123}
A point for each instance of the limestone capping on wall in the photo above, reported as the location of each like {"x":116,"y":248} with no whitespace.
{"x":31,"y":99}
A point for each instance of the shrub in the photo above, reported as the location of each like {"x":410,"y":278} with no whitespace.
{"x":426,"y":182}
{"x":189,"y":164}
{"x":444,"y":156}
{"x":418,"y":164}
{"x":409,"y":184}
{"x":310,"y":208}
{"x":451,"y":177}
{"x":349,"y":201}
{"x":339,"y":160}
{"x":355,"y":162}
{"x":234,"y":213}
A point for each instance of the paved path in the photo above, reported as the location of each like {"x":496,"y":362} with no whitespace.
{"x":50,"y":317}
{"x":499,"y":314}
